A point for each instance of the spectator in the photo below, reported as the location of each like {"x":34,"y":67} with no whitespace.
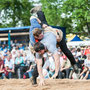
{"x":49,"y":66}
{"x":3,"y":47}
{"x":28,"y":73}
{"x":9,"y":63}
{"x":65,"y":68}
{"x":78,"y":52}
{"x":21,"y":47}
{"x":24,"y":58}
{"x":87,"y":51}
{"x":19,"y":63}
{"x":14,"y":55}
{"x":16,"y":43}
{"x":1,"y":68}
{"x":86,"y":68}
{"x":82,"y":57}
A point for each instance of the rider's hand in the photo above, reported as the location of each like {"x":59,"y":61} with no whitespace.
{"x":42,"y":82}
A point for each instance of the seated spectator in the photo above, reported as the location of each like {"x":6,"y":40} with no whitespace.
{"x":3,"y":47}
{"x":73,"y":50}
{"x":0,"y":47}
{"x":82,"y":57}
{"x":49,"y":67}
{"x":79,"y":63}
{"x":7,"y":72}
{"x":4,"y":57}
{"x":65,"y":67}
{"x":21,"y":47}
{"x":28,"y":73}
{"x":86,"y":69}
{"x":16,"y":43}
{"x":46,"y":64}
{"x":19,"y":63}
{"x":17,"y":48}
{"x":1,"y":68}
{"x":24,"y":58}
{"x":9,"y":63}
{"x":14,"y":55}
{"x":78,"y":52}
{"x":72,"y":74}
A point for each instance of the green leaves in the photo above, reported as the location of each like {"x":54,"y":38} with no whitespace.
{"x":64,"y":12}
{"x":72,"y":14}
{"x":15,"y":11}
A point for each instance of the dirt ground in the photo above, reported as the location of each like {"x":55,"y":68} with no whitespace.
{"x":54,"y":84}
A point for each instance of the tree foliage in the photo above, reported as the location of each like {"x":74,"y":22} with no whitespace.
{"x":71,"y":14}
{"x":15,"y":12}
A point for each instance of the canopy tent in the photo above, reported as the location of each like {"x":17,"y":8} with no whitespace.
{"x":76,"y":38}
{"x":69,"y":37}
{"x":78,"y":43}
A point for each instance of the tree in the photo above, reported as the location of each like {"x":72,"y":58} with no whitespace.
{"x":15,"y":12}
{"x":71,"y":14}
{"x":80,"y":12}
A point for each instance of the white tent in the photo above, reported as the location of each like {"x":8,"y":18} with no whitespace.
{"x":78,"y":43}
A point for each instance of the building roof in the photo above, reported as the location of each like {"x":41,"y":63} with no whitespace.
{"x":14,"y":28}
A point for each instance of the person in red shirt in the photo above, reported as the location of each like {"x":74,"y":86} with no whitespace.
{"x":87,"y":51}
{"x":1,"y":68}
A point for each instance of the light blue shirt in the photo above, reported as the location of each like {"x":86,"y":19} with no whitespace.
{"x":20,"y":60}
{"x":49,"y":41}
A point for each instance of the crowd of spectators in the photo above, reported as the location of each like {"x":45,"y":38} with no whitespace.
{"x":19,"y":63}
{"x":15,"y":63}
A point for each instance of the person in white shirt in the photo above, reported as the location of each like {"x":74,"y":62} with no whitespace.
{"x":10,"y":64}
